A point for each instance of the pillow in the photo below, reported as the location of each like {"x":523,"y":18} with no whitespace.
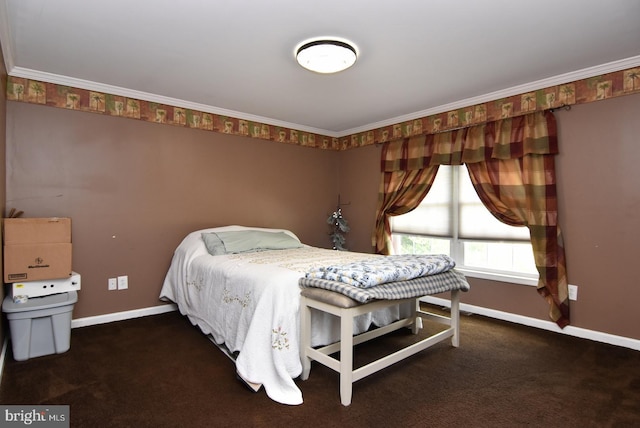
{"x":214,"y":245}
{"x":256,"y":240}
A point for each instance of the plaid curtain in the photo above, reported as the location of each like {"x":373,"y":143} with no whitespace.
{"x":511,"y":163}
{"x":401,"y":192}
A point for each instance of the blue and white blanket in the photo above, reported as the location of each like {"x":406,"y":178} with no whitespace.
{"x":416,"y":287}
{"x":373,"y":272}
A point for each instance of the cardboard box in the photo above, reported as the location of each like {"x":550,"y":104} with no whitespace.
{"x":37,"y":249}
{"x":32,"y":262}
{"x":52,"y":230}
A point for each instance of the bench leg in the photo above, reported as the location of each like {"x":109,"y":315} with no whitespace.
{"x":346,"y":357}
{"x":455,"y":317}
{"x":417,"y":320}
{"x":305,"y":337}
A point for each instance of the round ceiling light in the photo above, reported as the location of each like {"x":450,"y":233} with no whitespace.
{"x":326,"y":56}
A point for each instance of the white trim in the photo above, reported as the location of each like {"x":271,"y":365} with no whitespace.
{"x":583,"y":333}
{"x":3,"y":355}
{"x":120,"y":316}
{"x":130,"y":93}
{"x":504,"y":93}
{"x":58,"y":79}
{"x":495,"y":276}
{"x":5,"y":37}
{"x":519,"y":319}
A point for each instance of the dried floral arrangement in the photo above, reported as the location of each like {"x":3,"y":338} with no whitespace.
{"x":340,"y":226}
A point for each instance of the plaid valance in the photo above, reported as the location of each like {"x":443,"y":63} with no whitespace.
{"x":503,"y":139}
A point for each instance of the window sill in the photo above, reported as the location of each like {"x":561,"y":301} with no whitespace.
{"x":493,"y":276}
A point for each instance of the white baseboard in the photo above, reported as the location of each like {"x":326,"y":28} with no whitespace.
{"x":597,"y":336}
{"x":120,"y":316}
{"x":583,"y":333}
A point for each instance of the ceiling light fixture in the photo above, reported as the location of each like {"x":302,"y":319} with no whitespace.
{"x":326,"y":55}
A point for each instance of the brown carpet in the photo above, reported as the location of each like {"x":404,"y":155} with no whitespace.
{"x":160,"y":371}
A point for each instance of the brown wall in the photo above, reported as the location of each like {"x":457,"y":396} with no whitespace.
{"x":598,"y":176}
{"x":135,"y":189}
{"x":359,"y":182}
{"x":600,"y":208}
{"x":148,"y":185}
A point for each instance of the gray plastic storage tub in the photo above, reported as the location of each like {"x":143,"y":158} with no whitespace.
{"x":41,"y":325}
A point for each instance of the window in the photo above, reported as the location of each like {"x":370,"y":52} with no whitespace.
{"x":452,"y":220}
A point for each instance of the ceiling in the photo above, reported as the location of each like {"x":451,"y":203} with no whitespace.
{"x":236,"y":58}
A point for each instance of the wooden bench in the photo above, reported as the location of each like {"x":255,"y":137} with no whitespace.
{"x":346,"y":309}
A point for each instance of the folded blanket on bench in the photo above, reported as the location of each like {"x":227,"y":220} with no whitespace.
{"x":373,"y":272}
{"x":416,"y":287}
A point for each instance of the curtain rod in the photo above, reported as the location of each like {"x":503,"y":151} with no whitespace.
{"x":566,"y":107}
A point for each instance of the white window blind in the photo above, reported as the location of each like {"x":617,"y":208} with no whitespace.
{"x":434,"y":216}
{"x":475,"y":220}
{"x":453,"y":209}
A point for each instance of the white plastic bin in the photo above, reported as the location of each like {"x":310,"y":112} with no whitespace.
{"x":41,"y":325}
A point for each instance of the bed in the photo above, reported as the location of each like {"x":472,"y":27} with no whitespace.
{"x":247,"y":298}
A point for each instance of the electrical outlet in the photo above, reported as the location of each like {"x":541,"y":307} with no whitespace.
{"x":573,"y":292}
{"x":113,"y":284}
{"x":123,"y":282}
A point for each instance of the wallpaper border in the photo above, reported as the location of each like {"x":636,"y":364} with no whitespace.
{"x":610,"y":85}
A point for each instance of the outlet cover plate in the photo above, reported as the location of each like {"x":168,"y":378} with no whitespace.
{"x":123,"y":282}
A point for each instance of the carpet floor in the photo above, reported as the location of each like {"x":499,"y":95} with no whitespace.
{"x":160,"y":371}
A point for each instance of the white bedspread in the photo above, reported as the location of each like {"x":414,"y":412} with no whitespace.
{"x":250,"y":302}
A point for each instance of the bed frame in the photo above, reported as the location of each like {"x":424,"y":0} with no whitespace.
{"x":346,"y":309}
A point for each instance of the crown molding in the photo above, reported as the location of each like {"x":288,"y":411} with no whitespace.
{"x":58,"y":79}
{"x":515,"y":90}
{"x":130,"y":93}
